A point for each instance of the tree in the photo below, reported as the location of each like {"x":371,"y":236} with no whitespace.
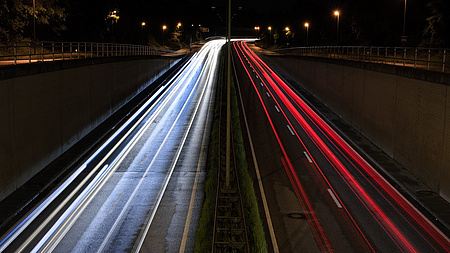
{"x":16,"y":18}
{"x":436,"y":34}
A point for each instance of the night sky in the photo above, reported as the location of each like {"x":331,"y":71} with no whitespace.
{"x":362,"y":22}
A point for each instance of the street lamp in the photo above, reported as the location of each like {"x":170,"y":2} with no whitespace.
{"x":179,"y":25}
{"x":287,"y":29}
{"x":34,"y":22}
{"x":404,"y":38}
{"x":257,"y":31}
{"x":337,"y":14}
{"x":142,"y":30}
{"x":164,"y":28}
{"x":307,"y":35}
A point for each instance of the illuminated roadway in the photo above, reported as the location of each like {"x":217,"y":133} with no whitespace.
{"x":317,"y":194}
{"x":139,"y":191}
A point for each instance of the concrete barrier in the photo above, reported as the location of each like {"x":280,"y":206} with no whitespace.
{"x":404,"y":111}
{"x":45,"y":110}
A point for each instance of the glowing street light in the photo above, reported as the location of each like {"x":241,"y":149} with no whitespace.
{"x":337,"y":14}
{"x":164,"y":28}
{"x":307,"y":31}
{"x":179,"y":25}
{"x":257,"y":31}
{"x":142,"y":31}
{"x":286,"y":29}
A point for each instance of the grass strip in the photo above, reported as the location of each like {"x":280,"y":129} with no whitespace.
{"x":255,"y":231}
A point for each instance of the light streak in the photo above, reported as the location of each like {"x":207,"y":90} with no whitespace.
{"x":377,"y":181}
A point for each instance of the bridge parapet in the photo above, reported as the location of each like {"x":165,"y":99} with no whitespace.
{"x":22,"y":53}
{"x":433,"y":59}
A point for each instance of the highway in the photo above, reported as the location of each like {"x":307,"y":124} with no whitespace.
{"x":316,"y":192}
{"x":142,"y":189}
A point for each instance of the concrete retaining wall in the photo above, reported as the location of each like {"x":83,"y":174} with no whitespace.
{"x":42,"y":115}
{"x":399,"y":110}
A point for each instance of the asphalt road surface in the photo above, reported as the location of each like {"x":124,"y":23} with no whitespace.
{"x":142,"y":189}
{"x":316,"y":192}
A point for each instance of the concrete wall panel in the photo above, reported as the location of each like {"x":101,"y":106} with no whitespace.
{"x":43,"y":115}
{"x":408,"y":118}
{"x":432,"y":106}
{"x":379,"y":109}
{"x":444,"y":186}
{"x":6,"y":136}
{"x":37,"y":123}
{"x":75,"y":105}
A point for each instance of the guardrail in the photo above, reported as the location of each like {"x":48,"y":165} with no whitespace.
{"x":19,"y":53}
{"x":426,"y":58}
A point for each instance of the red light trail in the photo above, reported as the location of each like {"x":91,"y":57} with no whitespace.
{"x":319,"y":132}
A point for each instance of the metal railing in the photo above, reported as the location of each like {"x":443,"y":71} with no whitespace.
{"x":425,"y":58}
{"x":19,"y":53}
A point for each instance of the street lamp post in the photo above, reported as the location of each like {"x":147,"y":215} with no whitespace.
{"x":270,"y":34}
{"x":228,"y":137}
{"x":257,"y":31}
{"x":142,"y":29}
{"x":337,"y":14}
{"x":164,"y":28}
{"x":287,"y":29}
{"x":404,"y":38}
{"x":34,"y":21}
{"x":307,"y":32}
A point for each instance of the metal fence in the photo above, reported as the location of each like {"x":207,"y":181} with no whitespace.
{"x":426,"y":58}
{"x":18,"y":53}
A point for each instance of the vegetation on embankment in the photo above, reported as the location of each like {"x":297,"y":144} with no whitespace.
{"x":255,"y":231}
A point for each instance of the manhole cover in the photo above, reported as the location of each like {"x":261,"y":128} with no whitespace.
{"x":298,"y":216}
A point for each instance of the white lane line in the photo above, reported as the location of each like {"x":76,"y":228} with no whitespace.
{"x":290,"y":129}
{"x":267,"y":93}
{"x":262,"y":84}
{"x":307,"y":157}
{"x":276,"y":107}
{"x":334,"y":198}
{"x":258,"y":175}
{"x":209,"y":79}
{"x":194,"y":189}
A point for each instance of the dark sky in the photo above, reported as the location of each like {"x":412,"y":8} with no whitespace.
{"x":379,"y":22}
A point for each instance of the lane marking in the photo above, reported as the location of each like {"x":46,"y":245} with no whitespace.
{"x":307,"y":157}
{"x":334,"y":198}
{"x":143,"y":159}
{"x":262,"y":84}
{"x":290,"y":129}
{"x":276,"y":107}
{"x":267,"y":93}
{"x":209,"y":79}
{"x":194,"y":189}
{"x":115,"y":204}
{"x":258,"y":174}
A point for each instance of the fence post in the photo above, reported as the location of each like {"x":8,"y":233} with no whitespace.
{"x":53,"y":51}
{"x":429,"y":58}
{"x":92,"y":49}
{"x":443,"y":60}
{"x":70,"y":49}
{"x":42,"y":49}
{"x":404,"y":56}
{"x":395,"y":55}
{"x":29,"y":53}
{"x":415,"y":58}
{"x":15,"y":54}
